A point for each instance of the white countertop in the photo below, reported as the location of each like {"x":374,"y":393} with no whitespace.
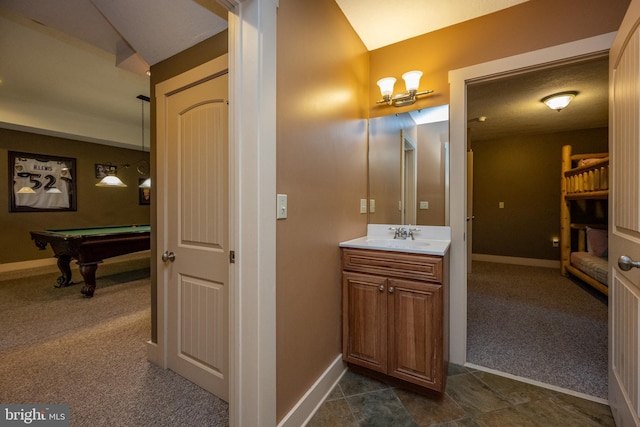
{"x":429,"y":240}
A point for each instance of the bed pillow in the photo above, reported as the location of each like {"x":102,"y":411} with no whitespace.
{"x":597,"y":241}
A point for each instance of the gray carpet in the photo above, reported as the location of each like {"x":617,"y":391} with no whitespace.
{"x":534,"y":323}
{"x":57,"y":347}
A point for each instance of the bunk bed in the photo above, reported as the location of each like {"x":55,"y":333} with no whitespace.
{"x":583,"y":241}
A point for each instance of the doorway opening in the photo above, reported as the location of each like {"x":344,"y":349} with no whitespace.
{"x":458,"y":80}
{"x":523,"y":318}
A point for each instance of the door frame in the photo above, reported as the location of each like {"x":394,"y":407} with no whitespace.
{"x":252,"y":220}
{"x":458,"y":80}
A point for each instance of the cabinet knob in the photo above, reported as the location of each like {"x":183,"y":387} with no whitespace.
{"x":391,"y":289}
{"x":381,"y":288}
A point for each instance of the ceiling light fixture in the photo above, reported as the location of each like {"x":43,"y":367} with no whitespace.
{"x":143,"y":168}
{"x":411,"y":81}
{"x":560,"y":100}
{"x":111,"y":180}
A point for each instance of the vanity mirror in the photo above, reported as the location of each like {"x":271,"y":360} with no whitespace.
{"x":409,"y":168}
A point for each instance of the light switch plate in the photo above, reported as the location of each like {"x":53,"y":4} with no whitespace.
{"x":424,"y":205}
{"x":363,"y":205}
{"x":372,"y":205}
{"x":282,"y":206}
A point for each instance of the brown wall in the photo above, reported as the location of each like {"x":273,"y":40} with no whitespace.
{"x":524,"y":173}
{"x":322,"y":86}
{"x":95,"y":206}
{"x":529,"y":26}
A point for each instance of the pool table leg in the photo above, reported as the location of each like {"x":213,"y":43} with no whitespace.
{"x":88,"y":272}
{"x":63,"y":265}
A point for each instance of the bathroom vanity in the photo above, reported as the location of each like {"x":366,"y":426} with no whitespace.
{"x":395,"y":304}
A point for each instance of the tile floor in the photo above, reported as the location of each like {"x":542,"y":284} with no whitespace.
{"x":472,"y":398}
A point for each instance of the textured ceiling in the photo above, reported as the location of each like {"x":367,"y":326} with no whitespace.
{"x":512,"y":105}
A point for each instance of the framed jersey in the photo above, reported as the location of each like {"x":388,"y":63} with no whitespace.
{"x":39,"y":182}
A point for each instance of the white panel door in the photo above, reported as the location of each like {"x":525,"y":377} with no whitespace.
{"x":196,"y":225}
{"x":469,"y":210}
{"x":624,"y":219}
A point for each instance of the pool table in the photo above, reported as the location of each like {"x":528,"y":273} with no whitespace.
{"x":90,"y":246}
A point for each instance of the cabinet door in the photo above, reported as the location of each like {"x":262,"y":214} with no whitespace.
{"x":364,"y":320}
{"x":415,"y":333}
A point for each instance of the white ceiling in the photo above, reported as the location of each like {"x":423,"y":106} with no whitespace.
{"x":84,"y":61}
{"x":87,"y":58}
{"x":381,"y":22}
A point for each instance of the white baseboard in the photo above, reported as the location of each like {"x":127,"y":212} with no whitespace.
{"x":533,"y":262}
{"x":46,"y":262}
{"x":307,"y":406}
{"x":153,"y":353}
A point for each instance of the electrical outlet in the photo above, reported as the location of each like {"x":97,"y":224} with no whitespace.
{"x":501,"y":205}
{"x":555,"y":242}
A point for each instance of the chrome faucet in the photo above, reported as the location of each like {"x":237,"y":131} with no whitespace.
{"x":403,"y":232}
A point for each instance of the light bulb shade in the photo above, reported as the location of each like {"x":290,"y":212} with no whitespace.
{"x":145,"y":184}
{"x":26,"y":190}
{"x":386,"y":85}
{"x":111,"y":181}
{"x":412,"y":80}
{"x":558,"y":101}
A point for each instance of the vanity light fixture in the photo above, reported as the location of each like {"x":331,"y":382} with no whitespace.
{"x":411,"y":81}
{"x":560,"y":100}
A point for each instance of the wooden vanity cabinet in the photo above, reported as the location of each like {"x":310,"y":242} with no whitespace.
{"x":394,"y":318}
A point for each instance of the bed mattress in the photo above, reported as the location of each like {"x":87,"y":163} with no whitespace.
{"x":591,"y":265}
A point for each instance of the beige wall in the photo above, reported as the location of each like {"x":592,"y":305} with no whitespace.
{"x":95,"y":206}
{"x":322,"y":86}
{"x":524,"y":173}
{"x":529,"y":26}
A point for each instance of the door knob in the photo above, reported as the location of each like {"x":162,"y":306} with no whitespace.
{"x":168,"y":256}
{"x":625,"y":263}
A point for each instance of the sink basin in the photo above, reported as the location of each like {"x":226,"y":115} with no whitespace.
{"x":398,"y":243}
